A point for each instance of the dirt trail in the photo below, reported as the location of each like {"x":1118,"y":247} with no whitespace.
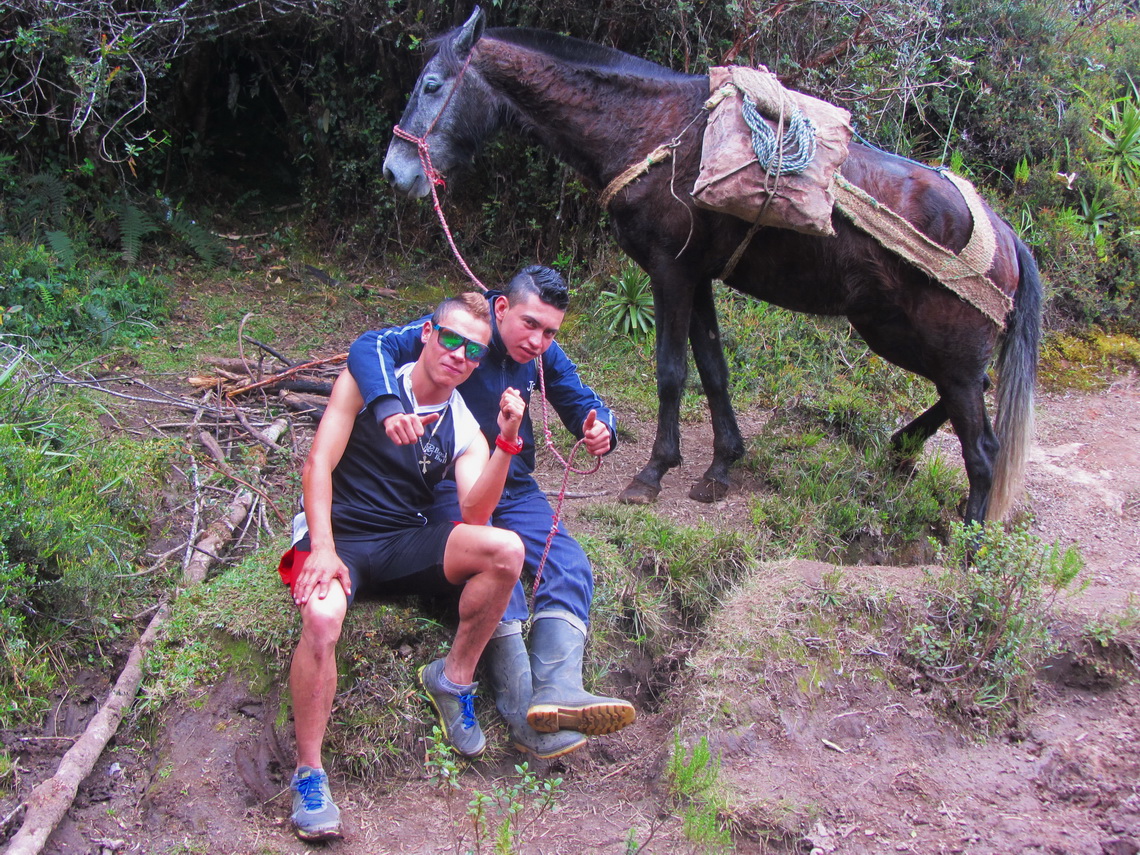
{"x":1066,"y":780}
{"x":1084,"y":484}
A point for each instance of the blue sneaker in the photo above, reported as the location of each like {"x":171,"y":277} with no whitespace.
{"x":315,"y":817}
{"x":456,"y":710}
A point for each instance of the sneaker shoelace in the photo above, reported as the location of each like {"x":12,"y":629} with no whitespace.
{"x":311,"y":792}
{"x":467,"y":710}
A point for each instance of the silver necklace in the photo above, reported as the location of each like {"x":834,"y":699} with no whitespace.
{"x":424,"y":461}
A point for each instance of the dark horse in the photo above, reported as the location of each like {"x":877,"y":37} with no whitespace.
{"x":601,"y":110}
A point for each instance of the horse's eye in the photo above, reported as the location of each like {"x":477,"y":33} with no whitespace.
{"x":432,"y":84}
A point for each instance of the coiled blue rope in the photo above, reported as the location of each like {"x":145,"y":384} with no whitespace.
{"x":797,"y":142}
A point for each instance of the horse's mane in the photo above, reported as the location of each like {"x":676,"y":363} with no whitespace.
{"x":566,"y":49}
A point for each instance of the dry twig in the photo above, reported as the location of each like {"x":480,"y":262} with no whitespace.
{"x":288,"y":372}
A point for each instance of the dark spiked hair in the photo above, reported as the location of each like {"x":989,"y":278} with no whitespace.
{"x":543,"y":282}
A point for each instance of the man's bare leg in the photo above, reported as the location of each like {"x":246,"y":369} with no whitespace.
{"x":312,"y":683}
{"x":487,"y":562}
{"x":313,"y":674}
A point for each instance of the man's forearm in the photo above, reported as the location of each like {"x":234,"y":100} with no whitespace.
{"x":317,"y":491}
{"x":483,"y":497}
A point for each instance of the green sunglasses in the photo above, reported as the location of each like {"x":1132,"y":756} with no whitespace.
{"x":451,"y":340}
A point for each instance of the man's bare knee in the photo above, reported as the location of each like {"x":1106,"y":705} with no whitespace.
{"x":321,"y":622}
{"x":507,"y":553}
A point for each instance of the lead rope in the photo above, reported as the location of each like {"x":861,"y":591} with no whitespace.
{"x":433,"y":177}
{"x":436,"y":180}
{"x":568,"y":467}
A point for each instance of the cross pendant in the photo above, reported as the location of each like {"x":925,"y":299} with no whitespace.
{"x":424,"y":464}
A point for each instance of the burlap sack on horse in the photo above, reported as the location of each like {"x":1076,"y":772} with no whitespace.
{"x":801,"y":140}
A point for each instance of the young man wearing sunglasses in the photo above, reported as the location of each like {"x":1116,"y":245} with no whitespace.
{"x":539,"y":693}
{"x":364,"y":529}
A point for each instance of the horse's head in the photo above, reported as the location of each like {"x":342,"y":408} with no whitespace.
{"x":448,"y":107}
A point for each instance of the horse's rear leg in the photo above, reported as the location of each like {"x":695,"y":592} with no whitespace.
{"x":910,"y":439}
{"x":672,"y":316}
{"x":728,"y":446}
{"x":907,"y":442}
{"x":966,"y":407}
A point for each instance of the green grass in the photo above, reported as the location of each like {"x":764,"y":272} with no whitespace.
{"x":693,"y":780}
{"x":841,"y":494}
{"x":76,"y":508}
{"x":647,"y":567}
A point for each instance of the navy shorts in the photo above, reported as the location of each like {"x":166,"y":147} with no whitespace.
{"x":409,"y":561}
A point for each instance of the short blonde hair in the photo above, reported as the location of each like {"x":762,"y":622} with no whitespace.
{"x":472,"y":302}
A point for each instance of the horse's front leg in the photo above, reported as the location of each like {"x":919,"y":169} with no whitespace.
{"x":672,"y":309}
{"x":708,"y":353}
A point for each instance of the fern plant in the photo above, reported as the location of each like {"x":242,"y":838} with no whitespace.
{"x":47,"y":195}
{"x":35,"y":203}
{"x":46,"y":296}
{"x":65,"y":306}
{"x":63,"y":247}
{"x":205,"y":244}
{"x":134,"y":225}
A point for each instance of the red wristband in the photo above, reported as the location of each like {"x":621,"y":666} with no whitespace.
{"x":508,"y":446}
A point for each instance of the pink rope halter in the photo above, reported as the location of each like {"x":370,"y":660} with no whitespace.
{"x":434,"y":178}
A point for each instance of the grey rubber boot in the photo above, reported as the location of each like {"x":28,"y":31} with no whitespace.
{"x":559,"y":702}
{"x":508,"y":671}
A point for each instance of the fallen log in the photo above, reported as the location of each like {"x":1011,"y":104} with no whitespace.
{"x":304,"y":404}
{"x":310,"y":387}
{"x":51,"y":799}
{"x":215,"y":538}
{"x":288,"y":372}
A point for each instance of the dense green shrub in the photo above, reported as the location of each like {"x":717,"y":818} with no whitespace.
{"x":74,"y":513}
{"x":985,"y":631}
{"x":57,"y":305}
{"x":250,"y":107}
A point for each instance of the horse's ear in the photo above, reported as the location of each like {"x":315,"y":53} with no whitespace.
{"x":470,"y":32}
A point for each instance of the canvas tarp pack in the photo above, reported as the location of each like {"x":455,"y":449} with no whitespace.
{"x":731,"y":179}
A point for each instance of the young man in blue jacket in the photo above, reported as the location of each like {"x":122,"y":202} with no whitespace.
{"x":539,"y":694}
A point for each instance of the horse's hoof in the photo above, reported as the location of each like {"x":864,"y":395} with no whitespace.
{"x":707,"y":490}
{"x":638,"y":492}
{"x":903,"y":457}
{"x":903,"y":465}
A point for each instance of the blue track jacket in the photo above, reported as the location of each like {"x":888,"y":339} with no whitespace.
{"x":374,"y":357}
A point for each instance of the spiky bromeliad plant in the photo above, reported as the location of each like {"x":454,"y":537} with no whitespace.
{"x":1119,"y":133}
{"x":628,"y":308}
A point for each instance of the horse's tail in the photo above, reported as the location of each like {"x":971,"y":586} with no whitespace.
{"x":1017,"y":379}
